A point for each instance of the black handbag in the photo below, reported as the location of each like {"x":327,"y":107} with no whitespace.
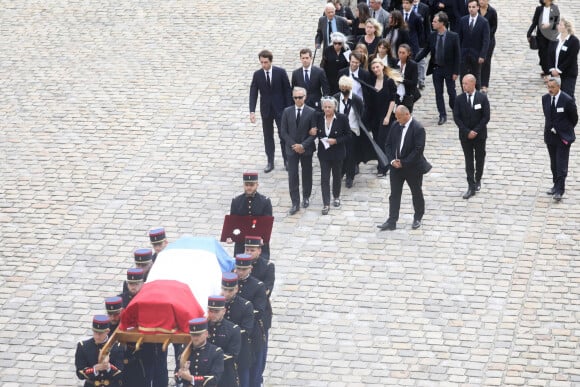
{"x":533,"y":42}
{"x":416,"y":94}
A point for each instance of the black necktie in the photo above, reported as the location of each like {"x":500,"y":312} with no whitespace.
{"x":374,"y":15}
{"x":268,"y":78}
{"x":469,"y":99}
{"x":471,"y":23}
{"x":553,"y":107}
{"x":346,"y":107}
{"x":406,"y":17}
{"x":329,"y":32}
{"x":298,"y":117}
{"x":439,"y":53}
{"x":306,"y":79}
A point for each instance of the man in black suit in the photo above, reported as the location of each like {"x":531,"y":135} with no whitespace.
{"x":311,"y":78}
{"x":415,"y":25}
{"x":561,"y":116}
{"x":273,"y":86}
{"x":404,"y":150}
{"x":328,"y":24}
{"x":474,"y":37}
{"x":297,"y":120}
{"x":471,"y":115}
{"x":359,"y":75}
{"x":444,"y":62}
{"x":352,"y":107}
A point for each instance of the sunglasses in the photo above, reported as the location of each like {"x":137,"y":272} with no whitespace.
{"x":337,"y":43}
{"x":298,"y":97}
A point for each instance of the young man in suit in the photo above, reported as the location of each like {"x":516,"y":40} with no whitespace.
{"x":328,"y":24}
{"x":444,"y":62}
{"x":311,"y":78}
{"x":474,"y":36}
{"x":415,"y":25}
{"x":404,"y":150}
{"x":360,"y":76}
{"x":273,"y":86}
{"x":471,"y":115}
{"x":296,"y":122}
{"x":561,"y":116}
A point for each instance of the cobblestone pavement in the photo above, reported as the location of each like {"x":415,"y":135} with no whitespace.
{"x":121,"y":115}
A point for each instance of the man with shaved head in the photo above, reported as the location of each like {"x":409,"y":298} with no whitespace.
{"x":471,"y":115}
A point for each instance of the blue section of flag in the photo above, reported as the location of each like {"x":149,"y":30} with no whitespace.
{"x":211,"y":245}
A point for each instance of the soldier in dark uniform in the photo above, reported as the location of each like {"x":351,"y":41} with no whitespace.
{"x":143,"y":260}
{"x":88,"y":368}
{"x":241,"y":312}
{"x":206,"y":361}
{"x":158,"y":240}
{"x":114,"y":306}
{"x":251,"y":202}
{"x":254,"y":291}
{"x":265,"y":271}
{"x":226,"y":335}
{"x":134,"y":284}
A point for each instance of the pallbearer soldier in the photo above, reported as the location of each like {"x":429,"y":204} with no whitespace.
{"x":143,"y":260}
{"x":134,"y":284}
{"x":226,"y":335}
{"x":241,"y":312}
{"x":253,"y":203}
{"x":264,"y":271}
{"x":254,"y":291}
{"x":106,"y":373}
{"x":114,"y":306}
{"x":158,"y":240}
{"x":205,"y":364}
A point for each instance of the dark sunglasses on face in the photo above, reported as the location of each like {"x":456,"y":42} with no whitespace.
{"x":337,"y":43}
{"x":298,"y":97}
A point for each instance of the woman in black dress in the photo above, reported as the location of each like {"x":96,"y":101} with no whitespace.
{"x":373,"y":33}
{"x":333,"y":60}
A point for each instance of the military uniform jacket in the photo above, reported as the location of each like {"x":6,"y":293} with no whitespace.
{"x":133,"y":369}
{"x":227,"y":335}
{"x":254,"y":291}
{"x":206,"y":361}
{"x":257,"y":205}
{"x":265,"y":271}
{"x":241,"y":312}
{"x":87,"y":355}
{"x":127,"y":297}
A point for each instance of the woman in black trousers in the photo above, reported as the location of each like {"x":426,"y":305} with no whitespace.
{"x":332,"y":130}
{"x":545,"y":23}
{"x":563,"y":57}
{"x":490,"y":14}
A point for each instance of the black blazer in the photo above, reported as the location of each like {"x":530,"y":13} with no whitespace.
{"x":411,"y":156}
{"x":416,"y":34}
{"x":318,"y":84}
{"x":363,"y":75}
{"x":564,"y":121}
{"x":474,"y":118}
{"x":474,"y":44}
{"x":451,"y":56}
{"x":340,"y":130}
{"x":491,"y":17}
{"x":551,"y":32}
{"x":321,"y":38}
{"x":424,"y":12}
{"x":410,"y":77}
{"x":293,"y":134}
{"x":274,"y":98}
{"x":568,"y":58}
{"x":356,"y":104}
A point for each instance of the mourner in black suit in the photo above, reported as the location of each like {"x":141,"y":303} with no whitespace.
{"x":352,"y":107}
{"x":226,"y":335}
{"x":424,"y":11}
{"x":251,"y":202}
{"x":563,"y":57}
{"x":205,"y":365}
{"x":561,"y":116}
{"x":332,"y":130}
{"x":328,"y":24}
{"x":404,"y":151}
{"x":415,"y":25}
{"x":358,"y":74}
{"x":108,"y":372}
{"x":407,"y":90}
{"x":471,"y":115}
{"x":490,"y":14}
{"x":311,"y":78}
{"x":334,"y":59}
{"x":273,"y":86}
{"x":474,"y":42}
{"x":296,"y":122}
{"x":444,"y":62}
{"x":545,"y":25}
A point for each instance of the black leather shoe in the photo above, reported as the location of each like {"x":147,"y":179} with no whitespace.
{"x":325,"y":210}
{"x":269,"y":168}
{"x":293,"y":210}
{"x":442,"y":120}
{"x":336,"y":203}
{"x":305,"y":203}
{"x":557,"y":196}
{"x":349,"y":183}
{"x":416,"y":224}
{"x":387,"y":226}
{"x":477,"y":186}
{"x":469,"y":193}
{"x":551,"y":191}
{"x":421,"y":86}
